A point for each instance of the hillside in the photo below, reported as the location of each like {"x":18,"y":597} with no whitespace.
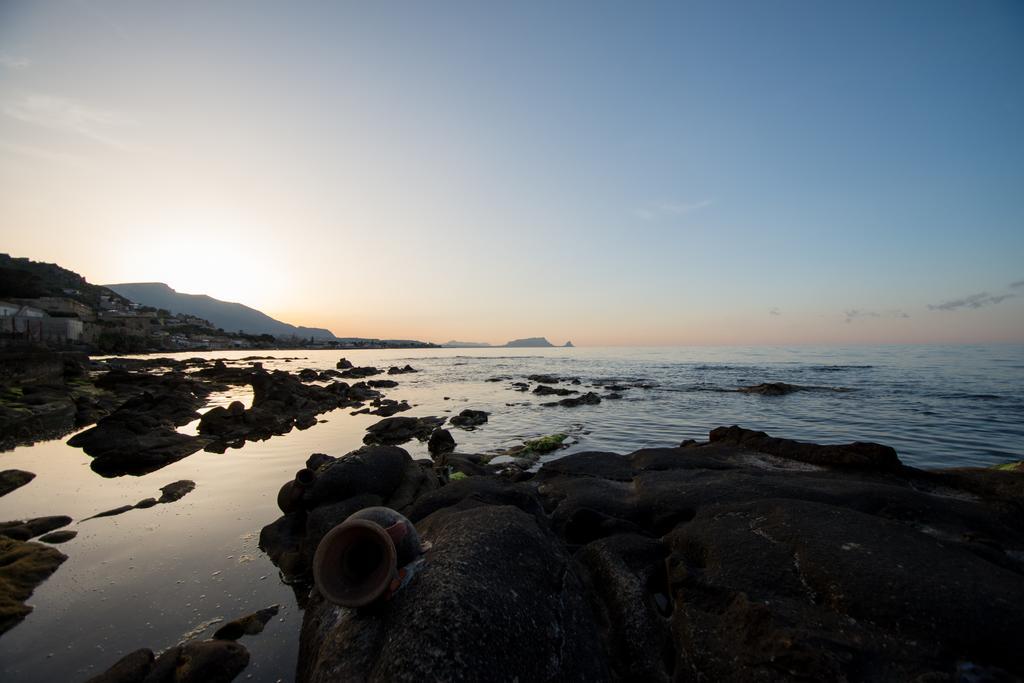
{"x":21,"y":278}
{"x":229,"y":316}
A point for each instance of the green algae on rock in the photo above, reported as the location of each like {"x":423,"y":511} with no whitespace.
{"x":23,"y":566}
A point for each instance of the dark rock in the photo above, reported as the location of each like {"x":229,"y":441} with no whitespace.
{"x":23,"y":566}
{"x":14,"y":479}
{"x":282,"y":541}
{"x":612,"y":396}
{"x":132,"y":668}
{"x":248,"y":625}
{"x":382,"y":383}
{"x":469,"y":419}
{"x":309,"y":375}
{"x":317,"y":460}
{"x":545,"y":390}
{"x":356,"y":373}
{"x":62,"y":536}
{"x":387,"y":407}
{"x":344,"y":364}
{"x":393,"y":370}
{"x":375,"y":470}
{"x":771,"y":389}
{"x":520,"y":386}
{"x":111,"y":513}
{"x":440,"y":441}
{"x":855,"y":455}
{"x":146,"y":503}
{"x":397,"y":430}
{"x":176,"y":490}
{"x":589,"y":399}
{"x":30,"y":528}
{"x":454,"y":619}
{"x":545,"y":379}
{"x":204,"y":661}
{"x":323,"y":518}
{"x":630,"y":594}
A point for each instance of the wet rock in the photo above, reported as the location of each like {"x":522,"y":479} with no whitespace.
{"x":588,"y":399}
{"x":520,"y":386}
{"x":394,"y":370}
{"x":14,"y":479}
{"x":386,"y":407}
{"x":469,"y":419}
{"x":248,"y":625}
{"x":382,"y":383}
{"x":23,"y":566}
{"x":344,"y":364}
{"x":282,"y":541}
{"x":613,"y":396}
{"x":545,"y":390}
{"x":62,"y":536}
{"x":23,"y":530}
{"x":176,"y":490}
{"x":397,"y":430}
{"x":309,"y":375}
{"x":356,"y":373}
{"x":170,"y":493}
{"x":440,"y":441}
{"x":545,"y":379}
{"x":141,"y":435}
{"x":132,"y":668}
{"x":204,"y":661}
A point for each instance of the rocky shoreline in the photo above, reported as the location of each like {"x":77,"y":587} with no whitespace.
{"x":744,"y":557}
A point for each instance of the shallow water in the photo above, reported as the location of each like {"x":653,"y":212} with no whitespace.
{"x":149,"y":577}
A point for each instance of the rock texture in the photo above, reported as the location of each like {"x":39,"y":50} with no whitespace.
{"x":743,"y":558}
{"x":23,"y":566}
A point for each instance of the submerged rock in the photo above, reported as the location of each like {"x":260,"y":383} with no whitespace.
{"x":588,"y":399}
{"x":545,"y":390}
{"x":203,"y":661}
{"x":248,"y":625}
{"x":771,"y":389}
{"x":23,"y":566}
{"x":393,"y":370}
{"x":62,"y":536}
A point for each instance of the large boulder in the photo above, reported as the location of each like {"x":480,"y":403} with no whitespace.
{"x":497,"y":599}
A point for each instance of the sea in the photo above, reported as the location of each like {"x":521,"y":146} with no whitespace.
{"x":159,"y":576}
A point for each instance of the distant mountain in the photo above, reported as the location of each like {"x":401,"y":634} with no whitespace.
{"x":529,"y":342}
{"x":465,"y":345}
{"x":569,"y":345}
{"x":230,"y":317}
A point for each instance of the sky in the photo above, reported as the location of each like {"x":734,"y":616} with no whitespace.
{"x":607,"y":172}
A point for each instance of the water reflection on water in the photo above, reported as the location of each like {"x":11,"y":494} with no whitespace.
{"x":148,"y":577}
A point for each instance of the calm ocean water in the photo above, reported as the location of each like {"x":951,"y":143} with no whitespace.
{"x":150,"y":578}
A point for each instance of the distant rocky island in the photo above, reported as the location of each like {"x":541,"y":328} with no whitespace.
{"x":525,"y":343}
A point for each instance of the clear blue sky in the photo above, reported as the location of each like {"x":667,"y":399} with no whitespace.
{"x":762,"y":172}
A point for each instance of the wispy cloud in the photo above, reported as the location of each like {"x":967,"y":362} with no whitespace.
{"x":658,"y":210}
{"x":60,"y":113}
{"x":1019,"y":284}
{"x":979,"y":300}
{"x":854,"y":314}
{"x":9,"y":61}
{"x":774,"y":311}
{"x":44,"y":154}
